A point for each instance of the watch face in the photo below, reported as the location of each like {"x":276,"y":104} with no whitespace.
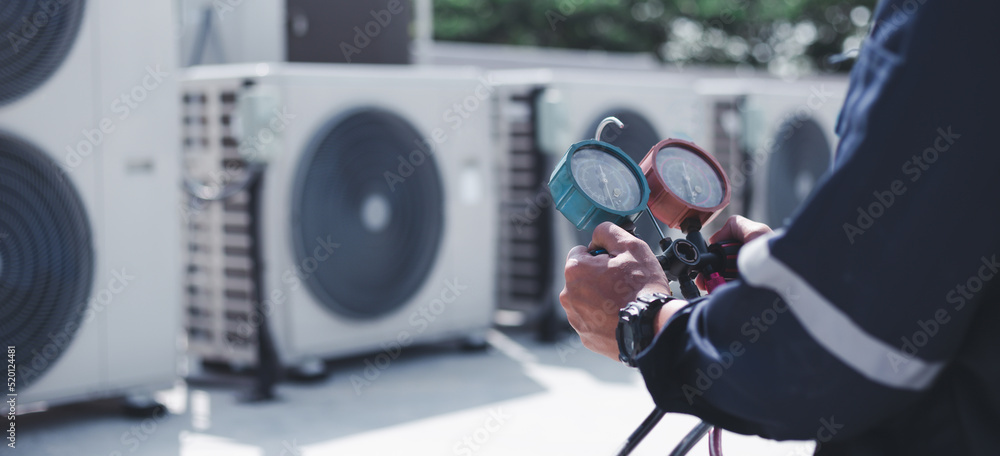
{"x":628,"y":336}
{"x":630,"y":332}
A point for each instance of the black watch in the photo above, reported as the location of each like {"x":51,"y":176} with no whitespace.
{"x":636,"y":325}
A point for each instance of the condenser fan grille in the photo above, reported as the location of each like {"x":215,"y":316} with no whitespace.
{"x":46,"y":257}
{"x":635,"y":139}
{"x":367,"y":186}
{"x":37,"y":35}
{"x":801,"y":156}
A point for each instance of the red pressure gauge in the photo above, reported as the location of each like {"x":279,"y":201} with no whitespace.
{"x":685,"y":183}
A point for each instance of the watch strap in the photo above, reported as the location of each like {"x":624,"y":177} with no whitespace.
{"x":640,"y":317}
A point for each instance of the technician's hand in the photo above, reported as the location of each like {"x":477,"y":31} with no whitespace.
{"x":598,"y":286}
{"x":737,"y":228}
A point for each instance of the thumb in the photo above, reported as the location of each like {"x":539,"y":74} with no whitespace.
{"x":740,"y":229}
{"x":612,"y":238}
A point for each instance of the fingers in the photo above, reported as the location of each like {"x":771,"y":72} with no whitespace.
{"x":579,"y":262}
{"x":613,"y":238}
{"x":598,"y":286}
{"x":577,"y":251}
{"x":740,"y":229}
{"x":728,"y":231}
{"x":581,"y":255}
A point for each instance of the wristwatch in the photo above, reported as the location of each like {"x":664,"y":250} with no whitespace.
{"x":636,"y":327}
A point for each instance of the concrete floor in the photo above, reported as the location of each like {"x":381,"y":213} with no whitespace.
{"x":517,"y":397}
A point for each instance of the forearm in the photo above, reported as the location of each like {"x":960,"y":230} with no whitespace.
{"x":740,"y":359}
{"x":668,"y":310}
{"x":772,"y":355}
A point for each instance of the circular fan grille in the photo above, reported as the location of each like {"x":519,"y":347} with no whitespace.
{"x":801,"y":155}
{"x":46,"y":257}
{"x":37,"y":35}
{"x":367,"y":186}
{"x":635,"y":140}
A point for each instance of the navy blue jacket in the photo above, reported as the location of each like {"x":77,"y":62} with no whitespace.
{"x":871,"y":322}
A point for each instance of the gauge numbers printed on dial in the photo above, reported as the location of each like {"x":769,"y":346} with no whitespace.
{"x":690,"y":177}
{"x":605,"y":179}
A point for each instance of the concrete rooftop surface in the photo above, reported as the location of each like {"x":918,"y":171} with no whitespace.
{"x":516,"y":397}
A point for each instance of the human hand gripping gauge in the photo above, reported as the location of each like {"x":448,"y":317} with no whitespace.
{"x":688,"y":188}
{"x":679,"y":184}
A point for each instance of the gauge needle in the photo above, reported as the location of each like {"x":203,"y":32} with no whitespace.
{"x":604,"y":179}
{"x":687,"y":180}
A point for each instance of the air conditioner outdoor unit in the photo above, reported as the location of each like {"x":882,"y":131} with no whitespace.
{"x":89,"y":237}
{"x":377,"y":216}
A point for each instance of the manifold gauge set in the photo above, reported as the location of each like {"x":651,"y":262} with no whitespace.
{"x":679,"y":183}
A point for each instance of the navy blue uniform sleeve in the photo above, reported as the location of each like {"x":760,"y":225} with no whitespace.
{"x":850,"y":313}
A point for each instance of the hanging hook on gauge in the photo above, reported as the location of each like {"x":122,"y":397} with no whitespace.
{"x":604,"y":123}
{"x":597,"y":182}
{"x":689,"y":187}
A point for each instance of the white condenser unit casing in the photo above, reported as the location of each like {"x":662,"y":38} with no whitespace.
{"x":90,"y":267}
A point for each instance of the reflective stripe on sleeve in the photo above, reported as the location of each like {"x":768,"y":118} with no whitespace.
{"x":831,"y":327}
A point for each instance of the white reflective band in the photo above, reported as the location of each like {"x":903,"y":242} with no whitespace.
{"x":830,"y":327}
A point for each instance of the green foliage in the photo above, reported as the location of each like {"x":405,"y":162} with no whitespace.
{"x":786,"y":36}
{"x":583,"y":24}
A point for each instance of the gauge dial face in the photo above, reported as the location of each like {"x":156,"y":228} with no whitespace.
{"x":605,"y":179}
{"x":690,"y":177}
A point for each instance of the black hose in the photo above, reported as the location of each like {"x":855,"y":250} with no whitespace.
{"x":692,"y":438}
{"x":640,"y":433}
{"x":682,"y":448}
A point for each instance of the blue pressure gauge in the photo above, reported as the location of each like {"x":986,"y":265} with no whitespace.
{"x":596,"y":182}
